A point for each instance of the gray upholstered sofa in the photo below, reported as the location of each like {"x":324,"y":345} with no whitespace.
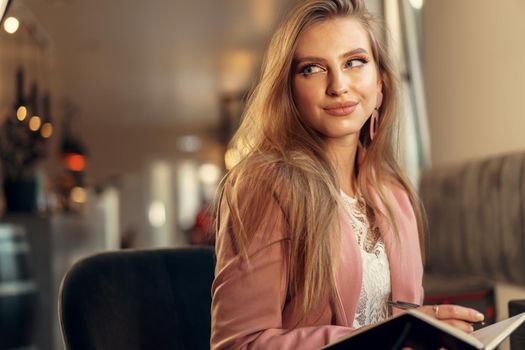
{"x":476,"y":241}
{"x":476,"y":214}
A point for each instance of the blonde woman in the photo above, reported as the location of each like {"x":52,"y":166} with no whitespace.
{"x":317,"y":227}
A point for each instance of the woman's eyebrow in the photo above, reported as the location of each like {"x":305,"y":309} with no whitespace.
{"x":353,"y":52}
{"x":320,"y":59}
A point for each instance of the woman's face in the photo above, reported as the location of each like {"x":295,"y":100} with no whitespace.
{"x":335,"y":78}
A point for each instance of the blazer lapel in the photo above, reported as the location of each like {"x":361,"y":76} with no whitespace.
{"x":350,"y":274}
{"x":403,"y":252}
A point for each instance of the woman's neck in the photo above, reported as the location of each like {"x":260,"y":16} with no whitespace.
{"x":342,"y":153}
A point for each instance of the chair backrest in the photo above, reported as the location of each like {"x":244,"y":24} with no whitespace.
{"x":138,"y":299}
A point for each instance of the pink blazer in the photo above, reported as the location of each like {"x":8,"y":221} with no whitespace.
{"x":252,"y":310}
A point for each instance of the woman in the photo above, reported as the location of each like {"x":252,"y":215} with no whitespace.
{"x":317,"y":226}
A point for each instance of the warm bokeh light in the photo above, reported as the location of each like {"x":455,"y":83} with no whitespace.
{"x":417,"y":4}
{"x":35,"y":123}
{"x":189,"y":143}
{"x":75,"y":162}
{"x":78,"y":195}
{"x":11,"y":25}
{"x":237,"y":68}
{"x":21,"y":113}
{"x":47,"y":130}
{"x":157,"y":214}
{"x":209,"y":173}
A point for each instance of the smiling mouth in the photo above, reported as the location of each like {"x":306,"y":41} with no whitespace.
{"x":341,"y":109}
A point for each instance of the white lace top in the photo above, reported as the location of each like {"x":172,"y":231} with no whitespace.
{"x":375,"y":290}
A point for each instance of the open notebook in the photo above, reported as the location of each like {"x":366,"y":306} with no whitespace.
{"x":419,"y":331}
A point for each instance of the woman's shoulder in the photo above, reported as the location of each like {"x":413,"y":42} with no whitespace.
{"x":391,"y":193}
{"x":258,"y":178}
{"x":401,"y":195}
{"x":250,"y":202}
{"x":258,"y":170}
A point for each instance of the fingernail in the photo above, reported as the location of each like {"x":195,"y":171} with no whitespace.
{"x":480,"y":316}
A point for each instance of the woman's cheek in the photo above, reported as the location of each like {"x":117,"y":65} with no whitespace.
{"x":303,"y":96}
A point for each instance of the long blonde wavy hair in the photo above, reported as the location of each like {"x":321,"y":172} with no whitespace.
{"x":283,"y":161}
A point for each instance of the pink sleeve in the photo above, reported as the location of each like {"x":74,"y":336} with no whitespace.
{"x":248,"y":301}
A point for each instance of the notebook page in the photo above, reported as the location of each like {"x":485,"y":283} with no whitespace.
{"x":494,"y":334}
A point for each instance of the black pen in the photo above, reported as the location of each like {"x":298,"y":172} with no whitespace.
{"x":403,"y":305}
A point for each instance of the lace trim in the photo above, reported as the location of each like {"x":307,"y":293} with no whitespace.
{"x":375,"y":291}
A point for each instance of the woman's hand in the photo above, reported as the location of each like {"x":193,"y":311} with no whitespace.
{"x":458,"y":316}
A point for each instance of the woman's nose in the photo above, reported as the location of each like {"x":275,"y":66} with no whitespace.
{"x":338,"y":84}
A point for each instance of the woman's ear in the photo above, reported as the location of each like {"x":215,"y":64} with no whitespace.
{"x":379,"y":93}
{"x":380,"y":79}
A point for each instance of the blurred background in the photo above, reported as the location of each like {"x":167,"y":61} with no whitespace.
{"x":115,"y":115}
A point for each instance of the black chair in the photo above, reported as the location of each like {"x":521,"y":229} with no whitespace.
{"x":138,"y":299}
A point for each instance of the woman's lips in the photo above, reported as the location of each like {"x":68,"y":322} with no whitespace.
{"x":341,"y":109}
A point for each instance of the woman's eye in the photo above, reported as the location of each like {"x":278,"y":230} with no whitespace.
{"x":311,"y":69}
{"x":355,"y":62}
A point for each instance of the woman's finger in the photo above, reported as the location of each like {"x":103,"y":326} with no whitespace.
{"x":427,"y":309}
{"x":464,"y":326}
{"x":456,"y":312}
{"x":448,"y":311}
